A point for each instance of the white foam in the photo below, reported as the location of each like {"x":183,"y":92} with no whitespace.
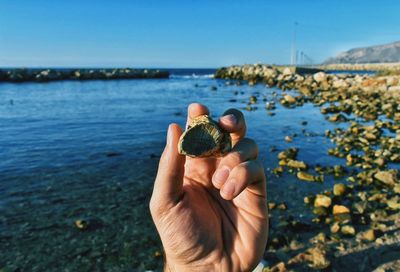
{"x":192,"y":76}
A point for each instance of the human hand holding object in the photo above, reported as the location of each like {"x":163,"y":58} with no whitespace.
{"x":211,"y":212}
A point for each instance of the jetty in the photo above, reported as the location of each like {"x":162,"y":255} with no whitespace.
{"x":45,"y":75}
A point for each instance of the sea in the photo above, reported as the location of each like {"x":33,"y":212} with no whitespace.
{"x":88,"y":151}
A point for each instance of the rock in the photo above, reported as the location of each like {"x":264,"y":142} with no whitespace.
{"x":348,"y":230}
{"x":288,"y":139}
{"x":309,"y":199}
{"x":295,"y":245}
{"x":360,"y":207}
{"x":338,"y":118}
{"x":339,"y":209}
{"x":81,"y":224}
{"x":396,"y":189}
{"x":320,"y":211}
{"x":386,"y":177}
{"x":297,"y":164}
{"x":342,"y":218}
{"x":320,"y":77}
{"x":289,"y":99}
{"x":370,"y":136}
{"x":315,"y":257}
{"x":335,"y":227}
{"x":380,"y":162}
{"x":308,"y":177}
{"x":280,"y":267}
{"x":270,"y":105}
{"x":282,"y":207}
{"x":339,"y":189}
{"x":290,"y":153}
{"x":322,"y":201}
{"x":88,"y":223}
{"x":253,"y":99}
{"x":271,"y":205}
{"x":394,"y":203}
{"x":287,"y":72}
{"x":368,"y":235}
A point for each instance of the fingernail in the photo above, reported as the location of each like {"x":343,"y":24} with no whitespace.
{"x":229,"y":188}
{"x":228,"y":119}
{"x":220,"y":176}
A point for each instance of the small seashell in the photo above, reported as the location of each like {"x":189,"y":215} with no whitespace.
{"x":204,"y":138}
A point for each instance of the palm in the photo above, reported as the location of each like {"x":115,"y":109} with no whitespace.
{"x":223,"y":231}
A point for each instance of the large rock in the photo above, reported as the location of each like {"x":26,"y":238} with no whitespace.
{"x":339,"y":189}
{"x":297,"y":164}
{"x":387,"y":177}
{"x":287,"y":72}
{"x":340,"y":209}
{"x":320,"y":77}
{"x":322,"y":201}
{"x":289,"y":99}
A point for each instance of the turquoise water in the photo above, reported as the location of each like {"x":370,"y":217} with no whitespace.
{"x":89,"y":150}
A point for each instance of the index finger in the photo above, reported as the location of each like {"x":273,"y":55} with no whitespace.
{"x":194,"y":110}
{"x":233,"y":122}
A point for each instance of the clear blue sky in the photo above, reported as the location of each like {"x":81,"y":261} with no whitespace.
{"x":203,"y":33}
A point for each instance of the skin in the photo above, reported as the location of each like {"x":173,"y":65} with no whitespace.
{"x":211,"y":213}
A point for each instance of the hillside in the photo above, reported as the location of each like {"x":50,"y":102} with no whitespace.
{"x":372,"y":54}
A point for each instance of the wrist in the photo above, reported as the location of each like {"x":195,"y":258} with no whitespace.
{"x":171,"y":266}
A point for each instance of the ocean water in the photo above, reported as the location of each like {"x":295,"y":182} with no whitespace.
{"x":89,"y":150}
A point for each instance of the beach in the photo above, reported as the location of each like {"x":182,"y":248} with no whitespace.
{"x":79,"y":160}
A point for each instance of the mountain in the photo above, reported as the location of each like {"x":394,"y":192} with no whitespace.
{"x":372,"y":54}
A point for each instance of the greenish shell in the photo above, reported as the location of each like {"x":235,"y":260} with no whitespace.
{"x":204,"y":138}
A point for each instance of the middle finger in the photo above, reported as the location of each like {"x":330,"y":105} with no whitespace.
{"x":246,"y":149}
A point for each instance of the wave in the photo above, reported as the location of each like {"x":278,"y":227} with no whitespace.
{"x":192,"y":76}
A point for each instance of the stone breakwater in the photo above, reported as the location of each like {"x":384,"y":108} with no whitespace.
{"x":362,"y":67}
{"x":365,"y":96}
{"x":360,"y":215}
{"x":44,"y":75}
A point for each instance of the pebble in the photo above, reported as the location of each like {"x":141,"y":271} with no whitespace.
{"x":348,"y":230}
{"x":339,"y":189}
{"x":322,"y":201}
{"x":340,"y":209}
{"x":386,"y":177}
{"x":296,"y":164}
{"x":368,"y":235}
{"x":288,"y":139}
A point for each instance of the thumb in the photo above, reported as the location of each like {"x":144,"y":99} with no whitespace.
{"x":169,"y":180}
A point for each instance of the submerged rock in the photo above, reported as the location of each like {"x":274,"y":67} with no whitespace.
{"x":339,"y":189}
{"x":322,"y":201}
{"x":297,"y":164}
{"x":340,"y":209}
{"x":288,"y":139}
{"x":368,"y":235}
{"x":308,"y":177}
{"x":348,"y":230}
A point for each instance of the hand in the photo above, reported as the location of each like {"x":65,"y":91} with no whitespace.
{"x":211,"y":213}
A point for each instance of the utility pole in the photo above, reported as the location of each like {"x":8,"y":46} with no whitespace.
{"x":294,"y":50}
{"x":301,"y":62}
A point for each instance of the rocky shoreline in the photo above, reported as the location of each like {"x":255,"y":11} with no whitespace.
{"x":44,"y":75}
{"x":362,"y":67}
{"x":357,"y":222}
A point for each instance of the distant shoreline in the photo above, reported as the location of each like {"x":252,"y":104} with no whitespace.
{"x":17,"y":75}
{"x":394,"y":66}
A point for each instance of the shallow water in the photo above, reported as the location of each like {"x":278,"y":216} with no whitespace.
{"x":71,"y":150}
